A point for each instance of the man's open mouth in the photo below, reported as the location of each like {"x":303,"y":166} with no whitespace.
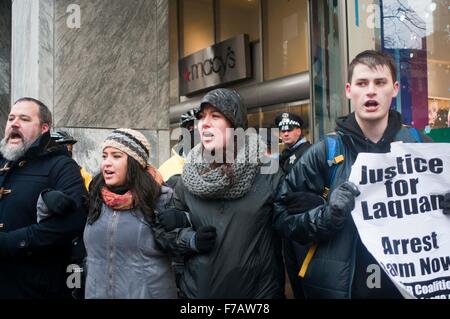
{"x":371,"y":103}
{"x":15,"y":136}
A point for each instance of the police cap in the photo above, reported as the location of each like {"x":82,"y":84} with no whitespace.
{"x":287,"y":121}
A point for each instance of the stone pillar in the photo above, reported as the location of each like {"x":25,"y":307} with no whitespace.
{"x":5,"y":61}
{"x":32,"y":50}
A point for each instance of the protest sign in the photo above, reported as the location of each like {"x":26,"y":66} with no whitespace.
{"x":399,"y":217}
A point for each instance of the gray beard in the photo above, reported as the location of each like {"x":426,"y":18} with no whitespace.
{"x":12,"y":153}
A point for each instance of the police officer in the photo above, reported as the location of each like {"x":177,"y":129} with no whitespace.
{"x":290,"y":126}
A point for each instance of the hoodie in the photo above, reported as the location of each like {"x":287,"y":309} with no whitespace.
{"x":355,"y":139}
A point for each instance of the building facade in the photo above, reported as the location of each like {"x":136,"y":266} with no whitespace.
{"x":103,"y":64}
{"x":300,"y":50}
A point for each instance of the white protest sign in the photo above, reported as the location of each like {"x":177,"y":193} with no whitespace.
{"x":399,"y":218}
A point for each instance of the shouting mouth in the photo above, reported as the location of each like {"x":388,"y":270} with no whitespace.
{"x":207,"y":136}
{"x":371,"y":105}
{"x":108,"y":174}
{"x":15,"y":137}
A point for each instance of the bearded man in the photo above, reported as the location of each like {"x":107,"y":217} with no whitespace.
{"x":34,"y":256}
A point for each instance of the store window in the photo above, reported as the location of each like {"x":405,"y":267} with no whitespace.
{"x":235,"y":17}
{"x":196,"y":25}
{"x":281,"y":50}
{"x":417,"y":34}
{"x":285,"y":37}
{"x":328,"y":70}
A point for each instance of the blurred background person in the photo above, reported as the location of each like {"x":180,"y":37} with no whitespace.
{"x":173,"y":167}
{"x":64,"y":138}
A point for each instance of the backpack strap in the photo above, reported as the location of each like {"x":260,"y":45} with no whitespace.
{"x":334,"y":157}
{"x":307,"y":260}
{"x":415,"y":133}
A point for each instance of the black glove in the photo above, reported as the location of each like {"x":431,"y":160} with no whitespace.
{"x":205,"y":238}
{"x":342,"y":202}
{"x":299,"y":202}
{"x":57,"y":202}
{"x":172,"y":218}
{"x":446,"y":204}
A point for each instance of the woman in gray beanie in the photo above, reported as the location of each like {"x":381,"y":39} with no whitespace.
{"x":123,"y":258}
{"x":231,"y":245}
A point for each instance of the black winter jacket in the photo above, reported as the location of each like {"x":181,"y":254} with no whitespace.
{"x":332,"y":269}
{"x":286,"y":162}
{"x":246,"y":259}
{"x":34,"y":257}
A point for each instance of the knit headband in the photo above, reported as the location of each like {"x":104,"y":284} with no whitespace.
{"x":130,"y":142}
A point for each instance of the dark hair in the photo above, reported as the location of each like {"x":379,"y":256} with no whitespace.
{"x":372,"y":59}
{"x":143,"y":186}
{"x":45,"y":116}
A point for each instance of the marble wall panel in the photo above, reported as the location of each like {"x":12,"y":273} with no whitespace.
{"x":45,"y":75}
{"x":4,"y":111}
{"x":112,"y":71}
{"x":5,"y":23}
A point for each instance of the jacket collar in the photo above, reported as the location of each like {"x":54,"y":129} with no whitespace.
{"x":300,"y":141}
{"x":38,"y":146}
{"x":349,"y":128}
{"x":44,"y":145}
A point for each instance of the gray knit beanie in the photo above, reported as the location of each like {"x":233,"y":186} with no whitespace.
{"x":229,"y":103}
{"x":130,"y":142}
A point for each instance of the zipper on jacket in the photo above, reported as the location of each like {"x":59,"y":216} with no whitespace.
{"x":111,"y":253}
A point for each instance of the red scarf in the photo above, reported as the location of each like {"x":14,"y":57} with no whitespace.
{"x":125,"y":201}
{"x":117,"y":201}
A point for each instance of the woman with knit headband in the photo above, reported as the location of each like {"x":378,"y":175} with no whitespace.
{"x":233,"y":251}
{"x":123,"y":259}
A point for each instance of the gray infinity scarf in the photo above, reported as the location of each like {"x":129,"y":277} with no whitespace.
{"x":207,"y":182}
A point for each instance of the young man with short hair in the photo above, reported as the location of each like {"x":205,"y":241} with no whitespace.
{"x":338,"y":268}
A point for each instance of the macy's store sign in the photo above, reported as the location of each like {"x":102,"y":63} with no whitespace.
{"x":224,"y":62}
